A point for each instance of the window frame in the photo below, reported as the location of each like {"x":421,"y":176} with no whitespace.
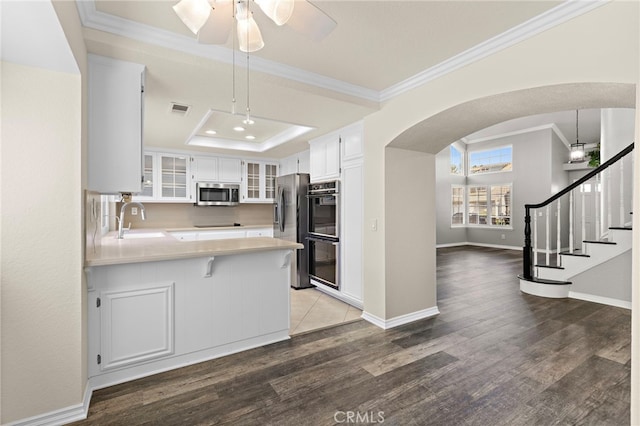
{"x":462,"y":161}
{"x":470,"y":153}
{"x":464,"y":207}
{"x":489,"y":215}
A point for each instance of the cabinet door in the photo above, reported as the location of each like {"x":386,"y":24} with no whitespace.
{"x":324,"y":155}
{"x":149,"y":167}
{"x":351,"y":142}
{"x":229,"y":170}
{"x":115,"y":99}
{"x":206,"y":168}
{"x":270,"y":173}
{"x":351,"y":239}
{"x":252,"y":178}
{"x":136,"y":325}
{"x":174,"y":174}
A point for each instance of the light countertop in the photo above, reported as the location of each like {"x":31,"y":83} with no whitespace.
{"x":113,"y":251}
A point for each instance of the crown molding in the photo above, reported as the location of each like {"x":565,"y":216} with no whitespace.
{"x":92,"y":18}
{"x":547,"y":20}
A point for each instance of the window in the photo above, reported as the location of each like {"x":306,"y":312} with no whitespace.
{"x":491,"y":161}
{"x":477,"y":205}
{"x":489,"y":205}
{"x":457,"y":161}
{"x":457,"y":205}
{"x":501,"y":205}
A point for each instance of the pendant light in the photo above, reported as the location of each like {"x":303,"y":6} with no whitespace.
{"x":279,"y":11}
{"x":577,"y":148}
{"x":249,"y":36}
{"x":194,"y":13}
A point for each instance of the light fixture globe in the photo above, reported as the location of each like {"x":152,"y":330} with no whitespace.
{"x":279,"y":11}
{"x":249,"y":36}
{"x":194,"y":13}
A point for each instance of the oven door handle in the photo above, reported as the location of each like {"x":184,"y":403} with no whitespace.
{"x":322,"y":240}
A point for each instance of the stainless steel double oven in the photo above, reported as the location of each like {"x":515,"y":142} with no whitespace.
{"x":324,"y":233}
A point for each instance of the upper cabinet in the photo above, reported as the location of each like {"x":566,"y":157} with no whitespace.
{"x":296,"y":163}
{"x":324,"y":157}
{"x":167,"y":178}
{"x":115,"y":108}
{"x":351,"y":142}
{"x":216,"y":169}
{"x":259,"y":182}
{"x":330,"y":152}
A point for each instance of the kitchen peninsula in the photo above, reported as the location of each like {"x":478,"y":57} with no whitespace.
{"x":157,"y":303}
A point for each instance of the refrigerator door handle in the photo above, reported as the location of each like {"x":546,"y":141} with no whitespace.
{"x":282,"y":209}
{"x":276,"y":216}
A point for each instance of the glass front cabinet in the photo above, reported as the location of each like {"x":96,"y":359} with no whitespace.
{"x":165,"y":178}
{"x":258,"y":182}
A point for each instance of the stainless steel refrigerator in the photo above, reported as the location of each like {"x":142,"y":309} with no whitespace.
{"x":291,"y":222}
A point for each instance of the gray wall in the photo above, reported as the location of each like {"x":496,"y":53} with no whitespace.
{"x":537,"y":162}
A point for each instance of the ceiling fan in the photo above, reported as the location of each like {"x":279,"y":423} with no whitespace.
{"x":212,"y":20}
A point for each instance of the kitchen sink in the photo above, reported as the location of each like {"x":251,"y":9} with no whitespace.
{"x":135,"y":236}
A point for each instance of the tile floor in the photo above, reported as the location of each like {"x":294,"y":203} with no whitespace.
{"x":312,"y":309}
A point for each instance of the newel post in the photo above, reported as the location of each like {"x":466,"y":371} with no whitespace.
{"x":527,"y":251}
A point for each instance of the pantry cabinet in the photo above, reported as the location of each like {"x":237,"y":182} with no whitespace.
{"x":115,"y":114}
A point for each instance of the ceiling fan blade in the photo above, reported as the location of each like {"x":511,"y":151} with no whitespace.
{"x":308,"y":19}
{"x":219,"y":25}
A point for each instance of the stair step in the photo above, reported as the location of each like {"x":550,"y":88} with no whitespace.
{"x":543,"y":281}
{"x":600,"y":242}
{"x":549,"y":266}
{"x":566,"y":253}
{"x":622,"y":228}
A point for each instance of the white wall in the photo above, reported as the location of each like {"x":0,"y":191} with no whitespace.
{"x":42,"y":341}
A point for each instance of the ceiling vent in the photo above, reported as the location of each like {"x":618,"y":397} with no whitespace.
{"x":180,"y":108}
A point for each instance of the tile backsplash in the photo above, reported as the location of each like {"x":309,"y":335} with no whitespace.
{"x":176,"y":215}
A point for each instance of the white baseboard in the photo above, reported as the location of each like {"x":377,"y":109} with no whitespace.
{"x":62,"y":416}
{"x":338,"y":295}
{"x":600,"y":299}
{"x":467,"y":243}
{"x":400,"y":320}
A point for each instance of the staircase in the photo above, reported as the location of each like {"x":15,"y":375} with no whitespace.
{"x":593,"y":211}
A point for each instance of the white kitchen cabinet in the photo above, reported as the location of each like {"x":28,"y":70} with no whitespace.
{"x":324,"y":158}
{"x":352,"y":206}
{"x":296,"y":163}
{"x":230,"y":170}
{"x":154,"y":316}
{"x":115,"y":114}
{"x":222,"y":234}
{"x":136,"y":325}
{"x":167,"y":178}
{"x":149,"y":171}
{"x":258,"y":182}
{"x":352,"y":142}
{"x":204,"y":169}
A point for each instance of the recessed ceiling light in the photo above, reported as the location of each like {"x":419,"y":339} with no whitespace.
{"x":250,"y":137}
{"x":239,"y":129}
{"x":211,"y":132}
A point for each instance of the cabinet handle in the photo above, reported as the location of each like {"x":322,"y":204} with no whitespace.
{"x":209,"y":271}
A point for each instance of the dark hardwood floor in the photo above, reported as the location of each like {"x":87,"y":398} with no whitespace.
{"x":494,"y":356}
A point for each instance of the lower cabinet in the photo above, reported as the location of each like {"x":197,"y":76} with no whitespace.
{"x":136,"y":325}
{"x":154,"y":316}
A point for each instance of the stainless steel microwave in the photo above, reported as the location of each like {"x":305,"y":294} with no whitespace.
{"x":217,"y":194}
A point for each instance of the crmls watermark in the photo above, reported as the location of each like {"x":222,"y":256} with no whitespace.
{"x":359,"y":417}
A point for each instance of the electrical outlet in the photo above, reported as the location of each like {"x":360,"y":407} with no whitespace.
{"x":502,"y":237}
{"x":134,"y":211}
{"x":374,"y":225}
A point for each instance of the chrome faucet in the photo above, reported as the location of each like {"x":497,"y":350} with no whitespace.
{"x":121,"y":228}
